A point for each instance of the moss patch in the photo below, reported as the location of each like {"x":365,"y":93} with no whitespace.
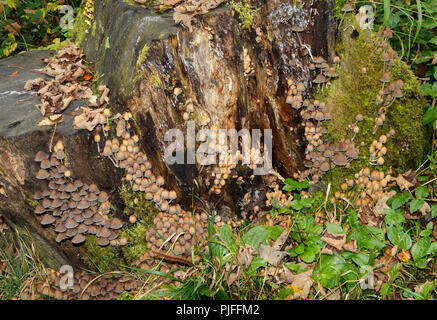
{"x":80,"y":26}
{"x":355,"y":91}
{"x":145,"y":211}
{"x":103,"y":259}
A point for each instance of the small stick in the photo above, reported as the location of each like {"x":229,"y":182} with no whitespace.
{"x":172,"y":258}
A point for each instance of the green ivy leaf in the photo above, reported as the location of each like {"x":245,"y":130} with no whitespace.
{"x":398,"y":237}
{"x":416,"y":204}
{"x":420,"y":250}
{"x":393,"y":217}
{"x":334,"y":228}
{"x":261,"y":234}
{"x":434,"y":211}
{"x":421,"y":192}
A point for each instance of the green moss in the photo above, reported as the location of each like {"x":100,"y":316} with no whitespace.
{"x":143,"y":55}
{"x":80,"y":26}
{"x":94,"y":28}
{"x":135,"y":234}
{"x":355,"y":92}
{"x":103,"y":259}
{"x":246,"y":12}
{"x":156,"y":80}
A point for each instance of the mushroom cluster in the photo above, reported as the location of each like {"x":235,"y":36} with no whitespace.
{"x":390,"y":90}
{"x":178,"y":231}
{"x":88,"y":12}
{"x":326,"y":70}
{"x":283,"y":198}
{"x":85,"y":287}
{"x":74,"y":208}
{"x":124,"y":152}
{"x":378,"y":150}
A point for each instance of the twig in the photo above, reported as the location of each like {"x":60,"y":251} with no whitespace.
{"x":172,"y":258}
{"x":18,"y":67}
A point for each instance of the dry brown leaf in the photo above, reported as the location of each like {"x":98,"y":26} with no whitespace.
{"x":86,"y":118}
{"x":300,"y":283}
{"x":381,"y":204}
{"x":425,"y":209}
{"x":271,"y":255}
{"x":280,"y":240}
{"x":334,"y":242}
{"x":13,"y":28}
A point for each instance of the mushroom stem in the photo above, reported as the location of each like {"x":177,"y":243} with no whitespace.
{"x":113,"y":161}
{"x":309,"y":50}
{"x":98,"y":146}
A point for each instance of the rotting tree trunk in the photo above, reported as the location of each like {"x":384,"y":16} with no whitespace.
{"x":208,"y":64}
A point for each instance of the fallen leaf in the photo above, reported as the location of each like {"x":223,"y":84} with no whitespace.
{"x":334,"y":242}
{"x":280,"y":240}
{"x":404,"y":256}
{"x":381,"y":205}
{"x":14,"y":74}
{"x":300,"y":283}
{"x":271,"y":255}
{"x":87,"y":77}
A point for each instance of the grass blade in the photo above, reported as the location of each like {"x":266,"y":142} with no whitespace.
{"x":419,"y":19}
{"x":386,"y":13}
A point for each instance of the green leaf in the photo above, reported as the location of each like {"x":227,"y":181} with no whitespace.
{"x":399,"y":199}
{"x":398,"y":237}
{"x":227,"y":236}
{"x":419,"y":19}
{"x":291,"y":185}
{"x":256,"y":263}
{"x":433,"y":249}
{"x":261,"y":234}
{"x":393,"y":216}
{"x":420,"y":250}
{"x":429,"y":116}
{"x":434,"y":211}
{"x":297,"y":268}
{"x":334,"y":228}
{"x":416,"y":204}
{"x":310,"y":254}
{"x":386,"y":13}
{"x":370,"y":238}
{"x":421,"y":192}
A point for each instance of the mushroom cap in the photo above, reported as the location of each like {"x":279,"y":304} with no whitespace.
{"x":71,"y":223}
{"x":78,"y":238}
{"x":103,"y":242}
{"x":320,"y":79}
{"x":324,"y":166}
{"x":318,"y":60}
{"x":41,"y":155}
{"x":42,"y":174}
{"x":347,"y":8}
{"x":70,"y":187}
{"x":39,"y":209}
{"x":83,"y":204}
{"x":385,"y":77}
{"x":91,"y":197}
{"x":116,"y":224}
{"x":103,"y":196}
{"x":47,"y":219}
{"x":45,"y":164}
{"x":297,"y":28}
{"x":60,"y":155}
{"x":339,"y":159}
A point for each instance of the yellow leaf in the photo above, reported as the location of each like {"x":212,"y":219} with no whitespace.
{"x":404,"y":256}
